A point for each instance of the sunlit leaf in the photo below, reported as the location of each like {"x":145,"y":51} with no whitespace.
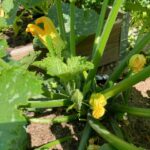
{"x":66,"y":71}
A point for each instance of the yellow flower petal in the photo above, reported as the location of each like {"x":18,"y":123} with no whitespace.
{"x":49,"y":30}
{"x":97,"y":102}
{"x":35,"y":30}
{"x":48,"y":25}
{"x":97,"y":99}
{"x":2,"y":14}
{"x":98,"y":112}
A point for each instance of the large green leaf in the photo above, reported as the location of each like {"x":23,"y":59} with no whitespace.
{"x":3,"y":22}
{"x":10,"y":8}
{"x":8,"y":5}
{"x":85,"y":21}
{"x":66,"y":71}
{"x":16,"y":87}
{"x":3,"y":47}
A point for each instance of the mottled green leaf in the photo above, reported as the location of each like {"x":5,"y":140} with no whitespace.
{"x":3,"y":22}
{"x":10,"y":8}
{"x":85,"y":20}
{"x":16,"y":87}
{"x":8,"y":5}
{"x":3,"y":47}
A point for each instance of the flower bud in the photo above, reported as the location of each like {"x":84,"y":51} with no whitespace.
{"x":137,"y":62}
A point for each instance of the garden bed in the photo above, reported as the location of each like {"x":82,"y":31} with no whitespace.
{"x":70,"y":89}
{"x":135,"y":128}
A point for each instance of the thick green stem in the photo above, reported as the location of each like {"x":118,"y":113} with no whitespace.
{"x":49,"y":104}
{"x":72,"y":28}
{"x":138,"y":47}
{"x":85,"y":136}
{"x":49,"y":46}
{"x":60,"y":19}
{"x":109,"y":137}
{"x":100,"y":24}
{"x":59,"y":119}
{"x":102,"y":43}
{"x":54,"y":143}
{"x":140,"y":112}
{"x":126,"y":83}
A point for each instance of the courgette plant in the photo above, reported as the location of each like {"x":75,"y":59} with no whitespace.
{"x":69,"y":81}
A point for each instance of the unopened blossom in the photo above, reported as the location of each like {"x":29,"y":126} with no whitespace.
{"x":137,"y":62}
{"x":97,"y":102}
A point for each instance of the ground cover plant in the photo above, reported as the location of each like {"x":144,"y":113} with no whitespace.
{"x":68,"y":80}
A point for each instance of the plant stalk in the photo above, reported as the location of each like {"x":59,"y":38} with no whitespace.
{"x":72,"y":28}
{"x":85,"y":136}
{"x":59,"y":119}
{"x":139,"y":112}
{"x":126,"y":83}
{"x":102,"y":43}
{"x":60,"y":19}
{"x":100,"y":25}
{"x":49,"y":103}
{"x":138,"y":47}
{"x":109,"y":137}
{"x":54,"y":143}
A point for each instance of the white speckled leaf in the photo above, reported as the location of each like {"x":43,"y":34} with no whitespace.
{"x":16,"y":87}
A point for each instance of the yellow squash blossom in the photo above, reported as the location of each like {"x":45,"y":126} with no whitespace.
{"x":97,"y":102}
{"x":137,"y":62}
{"x":47,"y":30}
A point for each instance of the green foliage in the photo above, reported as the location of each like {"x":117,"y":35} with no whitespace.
{"x":64,"y":80}
{"x":11,"y":7}
{"x":143,"y":3}
{"x":92,"y":4}
{"x":3,"y":22}
{"x":13,"y":135}
{"x":93,"y":147}
{"x":17,"y":86}
{"x":3,"y":47}
{"x":73,"y":67}
{"x":31,"y":3}
{"x":85,"y":20}
{"x":8,"y":5}
{"x":140,"y":13}
{"x":103,"y":147}
{"x":39,"y":7}
{"x":77,"y":98}
{"x":107,"y":147}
